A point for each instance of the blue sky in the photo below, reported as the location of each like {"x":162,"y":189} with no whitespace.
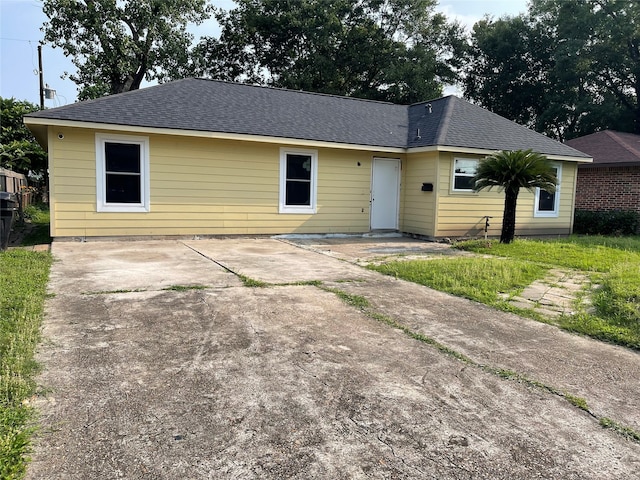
{"x":20,"y":22}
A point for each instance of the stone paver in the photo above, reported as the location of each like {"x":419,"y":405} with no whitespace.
{"x":554,"y":295}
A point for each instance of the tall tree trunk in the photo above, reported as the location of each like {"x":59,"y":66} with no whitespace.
{"x":509,"y":217}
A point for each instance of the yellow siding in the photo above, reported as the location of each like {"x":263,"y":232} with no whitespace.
{"x":207,"y":187}
{"x":460,"y":214}
{"x":563,"y":224}
{"x":201,"y":186}
{"x":418,"y":207}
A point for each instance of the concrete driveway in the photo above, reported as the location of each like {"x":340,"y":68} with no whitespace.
{"x":149,"y":375}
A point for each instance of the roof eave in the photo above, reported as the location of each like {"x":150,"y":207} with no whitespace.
{"x":40,"y":131}
{"x":485,"y":151}
{"x":611,"y":164}
{"x":36,"y":123}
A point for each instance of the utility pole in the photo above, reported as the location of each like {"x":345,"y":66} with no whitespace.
{"x":41,"y":77}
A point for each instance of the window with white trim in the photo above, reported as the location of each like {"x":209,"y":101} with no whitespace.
{"x":464,"y":169}
{"x":298,"y":180}
{"x":122,"y":173}
{"x":548,"y":204}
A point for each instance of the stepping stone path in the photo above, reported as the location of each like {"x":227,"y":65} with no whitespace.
{"x":554,"y":295}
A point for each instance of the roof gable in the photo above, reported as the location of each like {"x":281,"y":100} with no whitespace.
{"x":609,"y":147}
{"x":215,"y":106}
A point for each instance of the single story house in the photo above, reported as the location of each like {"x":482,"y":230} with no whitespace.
{"x":612,"y":181}
{"x":199,"y":157}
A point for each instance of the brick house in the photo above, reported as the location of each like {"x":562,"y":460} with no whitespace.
{"x":612,"y":181}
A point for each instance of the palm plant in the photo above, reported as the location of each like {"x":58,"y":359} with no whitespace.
{"x":511,"y":171}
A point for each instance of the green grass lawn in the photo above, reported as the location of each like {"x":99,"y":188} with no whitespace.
{"x":486,"y":280}
{"x":38,"y":216}
{"x":612,"y":263}
{"x":23,"y":279}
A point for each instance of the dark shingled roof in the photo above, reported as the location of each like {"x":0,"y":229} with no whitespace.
{"x":459,"y":123}
{"x":215,"y":106}
{"x":609,"y":148}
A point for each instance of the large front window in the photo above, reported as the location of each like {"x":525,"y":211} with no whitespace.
{"x":122,"y":166}
{"x":548,"y":204}
{"x":298,"y":172}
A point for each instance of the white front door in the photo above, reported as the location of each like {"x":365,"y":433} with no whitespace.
{"x":385,"y":194}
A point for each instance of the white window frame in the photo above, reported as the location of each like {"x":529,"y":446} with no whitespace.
{"x":101,"y":185}
{"x":303,"y":209}
{"x":537,"y":213}
{"x":453,"y":175}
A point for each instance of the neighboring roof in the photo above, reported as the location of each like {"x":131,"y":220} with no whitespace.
{"x":609,"y":148}
{"x":214,"y":106}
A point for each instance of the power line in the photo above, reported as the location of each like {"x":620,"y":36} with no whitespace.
{"x":19,"y":40}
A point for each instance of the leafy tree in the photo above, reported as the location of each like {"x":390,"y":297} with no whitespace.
{"x":19,"y":150}
{"x":116,"y":44}
{"x":566,"y":69}
{"x":511,"y":171}
{"x":605,"y":36}
{"x":513,"y":71}
{"x":508,"y":61}
{"x":397,"y":50}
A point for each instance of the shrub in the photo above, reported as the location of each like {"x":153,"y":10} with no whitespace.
{"x":614,"y":222}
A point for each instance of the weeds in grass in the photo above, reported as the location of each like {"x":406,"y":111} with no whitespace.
{"x":479,"y":279}
{"x":23,"y":278}
{"x":627,"y":243}
{"x":600,"y":329}
{"x":39,"y":217}
{"x":37,"y":213}
{"x":590,"y":254}
{"x":618,"y":298}
{"x":611,"y":262}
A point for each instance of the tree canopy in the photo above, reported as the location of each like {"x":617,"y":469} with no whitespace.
{"x":565,"y":69}
{"x":396,"y":50}
{"x":116,"y":44}
{"x":19,"y":150}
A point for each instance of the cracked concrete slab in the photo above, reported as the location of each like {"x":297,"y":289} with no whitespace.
{"x":134,"y":265}
{"x":605,"y":375}
{"x":274,"y":261}
{"x":290,"y":382}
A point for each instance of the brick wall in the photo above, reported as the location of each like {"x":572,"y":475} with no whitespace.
{"x":614,"y":188}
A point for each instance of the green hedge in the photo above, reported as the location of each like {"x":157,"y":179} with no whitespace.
{"x":614,"y":222}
